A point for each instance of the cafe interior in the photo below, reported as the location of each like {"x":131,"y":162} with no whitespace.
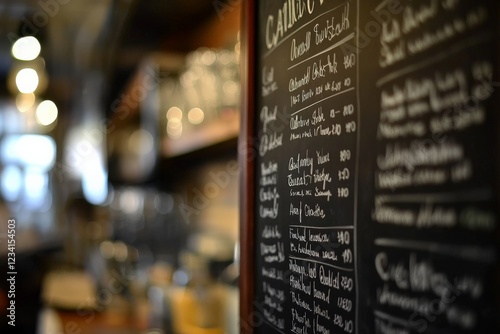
{"x":119,"y":123}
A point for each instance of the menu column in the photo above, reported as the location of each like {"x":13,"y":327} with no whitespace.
{"x":308,"y":86}
{"x":271,"y":243}
{"x":433,"y":207}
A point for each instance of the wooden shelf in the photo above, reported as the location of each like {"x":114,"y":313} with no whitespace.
{"x":216,"y":132}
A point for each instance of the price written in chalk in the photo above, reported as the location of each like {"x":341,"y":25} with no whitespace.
{"x":345,"y":155}
{"x":342,"y":192}
{"x":347,"y":256}
{"x":350,"y":127}
{"x":343,"y":237}
{"x":346,"y":325}
{"x":344,"y":174}
{"x":348,"y":110}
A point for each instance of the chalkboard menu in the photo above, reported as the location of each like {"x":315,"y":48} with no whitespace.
{"x":375,"y":173}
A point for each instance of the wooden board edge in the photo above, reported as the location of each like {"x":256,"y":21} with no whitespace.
{"x":246,"y":156}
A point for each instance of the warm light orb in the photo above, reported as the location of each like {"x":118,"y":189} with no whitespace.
{"x":27,"y":80}
{"x":26,"y":48}
{"x":46,"y":112}
{"x":174,"y":128}
{"x":174,"y":113}
{"x":24,"y":102}
{"x":196,"y":116}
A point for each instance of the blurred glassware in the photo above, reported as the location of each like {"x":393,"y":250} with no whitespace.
{"x":196,"y":300}
{"x":160,"y":316}
{"x":207,"y":89}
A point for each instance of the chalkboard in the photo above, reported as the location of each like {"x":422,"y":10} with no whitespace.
{"x":370,"y":173}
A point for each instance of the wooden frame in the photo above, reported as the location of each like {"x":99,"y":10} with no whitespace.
{"x":245,"y":155}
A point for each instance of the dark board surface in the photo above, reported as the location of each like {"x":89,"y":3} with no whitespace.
{"x":375,"y":185}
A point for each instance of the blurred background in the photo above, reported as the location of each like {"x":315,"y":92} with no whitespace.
{"x":118,"y":162}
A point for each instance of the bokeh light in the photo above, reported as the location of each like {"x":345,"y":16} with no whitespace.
{"x":24,"y":102}
{"x":46,"y":112}
{"x":27,"y":80}
{"x":196,"y":116}
{"x":26,"y":48}
{"x":174,"y":113}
